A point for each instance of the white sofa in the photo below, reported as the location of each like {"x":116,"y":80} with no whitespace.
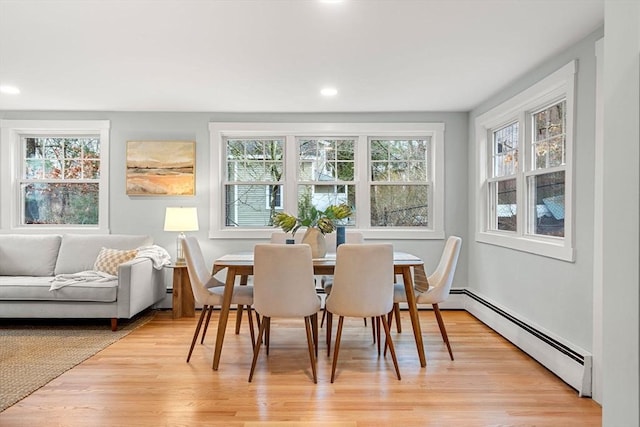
{"x":29,"y":263}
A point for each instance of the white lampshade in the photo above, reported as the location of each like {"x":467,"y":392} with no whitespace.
{"x":181,"y":219}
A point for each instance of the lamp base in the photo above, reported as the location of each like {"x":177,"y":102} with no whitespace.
{"x":179,"y":251}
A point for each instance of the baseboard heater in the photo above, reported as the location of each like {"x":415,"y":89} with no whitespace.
{"x":570,"y":363}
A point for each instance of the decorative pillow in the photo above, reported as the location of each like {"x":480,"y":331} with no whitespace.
{"x":109,"y":259}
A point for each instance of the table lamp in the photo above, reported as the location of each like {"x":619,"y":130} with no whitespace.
{"x":181,"y":220}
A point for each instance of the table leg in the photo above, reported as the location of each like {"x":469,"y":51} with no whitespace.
{"x":243,"y":282}
{"x":224,"y":315}
{"x":413,"y":311}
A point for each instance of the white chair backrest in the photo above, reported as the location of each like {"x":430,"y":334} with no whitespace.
{"x":441,"y":279}
{"x":283,"y":283}
{"x":199,"y":273}
{"x":362,"y":281}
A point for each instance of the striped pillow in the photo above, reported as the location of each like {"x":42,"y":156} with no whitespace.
{"x":109,"y":259}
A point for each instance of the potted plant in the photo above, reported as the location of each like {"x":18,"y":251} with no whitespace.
{"x":318,"y":223}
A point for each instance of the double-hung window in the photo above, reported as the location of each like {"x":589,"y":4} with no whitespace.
{"x":525,"y":169}
{"x":391,"y":175}
{"x":54,"y":175}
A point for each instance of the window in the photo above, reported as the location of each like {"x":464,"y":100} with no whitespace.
{"x":391,"y":175}
{"x":55,"y":173}
{"x":525,"y":165}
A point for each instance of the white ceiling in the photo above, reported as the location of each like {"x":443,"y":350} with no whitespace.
{"x":276,"y":55}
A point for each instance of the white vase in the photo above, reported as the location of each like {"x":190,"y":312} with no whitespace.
{"x":314,"y":238}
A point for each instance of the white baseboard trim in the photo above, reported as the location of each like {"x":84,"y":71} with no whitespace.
{"x":570,"y":363}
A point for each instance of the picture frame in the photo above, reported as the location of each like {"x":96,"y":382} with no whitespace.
{"x":160,"y":168}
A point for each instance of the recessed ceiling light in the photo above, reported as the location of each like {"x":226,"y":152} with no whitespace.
{"x":330,"y":1}
{"x":329,"y":91}
{"x":9,"y":90}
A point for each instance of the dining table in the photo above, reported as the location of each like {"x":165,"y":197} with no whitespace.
{"x":240,"y":265}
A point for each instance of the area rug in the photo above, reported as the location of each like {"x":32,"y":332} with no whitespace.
{"x":35,"y":351}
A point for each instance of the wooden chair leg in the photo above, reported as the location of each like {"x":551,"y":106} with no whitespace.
{"x":251,"y":331}
{"x":239,"y":311}
{"x":337,"y":348}
{"x":197,"y":331}
{"x":443,"y":331}
{"x":396,"y":310}
{"x":206,"y":323}
{"x":314,"y":325}
{"x":256,"y":348}
{"x":267,"y":330}
{"x":391,"y":348}
{"x":329,"y":331}
{"x":373,"y":329}
{"x":324,"y":314}
{"x":311,"y":345}
{"x":377,"y":331}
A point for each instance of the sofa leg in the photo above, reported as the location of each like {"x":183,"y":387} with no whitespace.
{"x":114,"y":324}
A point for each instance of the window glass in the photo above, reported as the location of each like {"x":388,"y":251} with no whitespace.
{"x":505,"y":150}
{"x":548,"y":212}
{"x":549,"y":136}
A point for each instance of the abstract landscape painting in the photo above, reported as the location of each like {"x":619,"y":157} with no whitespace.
{"x":161,"y":168}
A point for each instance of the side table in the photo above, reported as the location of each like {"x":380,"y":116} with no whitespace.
{"x":183,"y":302}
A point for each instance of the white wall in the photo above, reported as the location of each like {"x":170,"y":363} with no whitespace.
{"x":621,"y":190}
{"x":145,"y":215}
{"x":552,"y":294}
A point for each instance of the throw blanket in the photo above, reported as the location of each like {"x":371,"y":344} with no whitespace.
{"x":157,"y":254}
{"x":62,"y":280}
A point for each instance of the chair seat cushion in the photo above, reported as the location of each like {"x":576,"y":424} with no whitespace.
{"x":242,"y":294}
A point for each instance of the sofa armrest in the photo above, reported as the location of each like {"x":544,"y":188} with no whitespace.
{"x":139,"y":286}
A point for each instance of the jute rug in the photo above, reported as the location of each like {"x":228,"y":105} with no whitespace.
{"x":35,"y":351}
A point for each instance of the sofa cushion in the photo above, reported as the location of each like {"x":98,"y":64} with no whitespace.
{"x":78,"y":252}
{"x":28,"y":255}
{"x":109,"y":260}
{"x":23,"y":288}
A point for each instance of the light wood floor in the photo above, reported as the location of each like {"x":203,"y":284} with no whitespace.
{"x":143,"y":380}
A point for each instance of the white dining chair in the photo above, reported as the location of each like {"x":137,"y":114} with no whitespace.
{"x":208,"y":291}
{"x":362,"y":287}
{"x":284,"y":287}
{"x":439,"y":283}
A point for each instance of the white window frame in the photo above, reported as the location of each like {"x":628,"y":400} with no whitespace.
{"x":11,"y":158}
{"x":218,"y":131}
{"x":558,"y":85}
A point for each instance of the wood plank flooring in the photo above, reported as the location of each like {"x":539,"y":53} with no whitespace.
{"x":143,"y":380}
